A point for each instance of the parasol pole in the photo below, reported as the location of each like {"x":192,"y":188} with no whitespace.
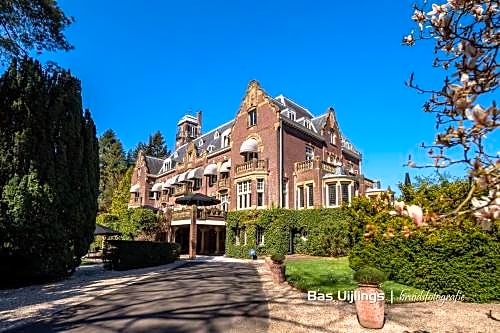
{"x":192,"y":234}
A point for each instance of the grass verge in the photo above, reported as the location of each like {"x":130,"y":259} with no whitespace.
{"x":331,"y":275}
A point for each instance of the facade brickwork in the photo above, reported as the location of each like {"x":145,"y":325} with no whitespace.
{"x":274,"y":153}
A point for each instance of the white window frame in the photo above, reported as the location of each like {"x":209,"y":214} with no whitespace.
{"x":260,"y":191}
{"x":244,"y":195}
{"x":333,"y":137}
{"x":291,"y":115}
{"x":308,"y":124}
{"x":252,"y":118}
{"x":327,"y":191}
{"x":307,"y":191}
{"x":237,"y":235}
{"x":309,"y":153}
{"x":226,"y":141}
{"x":348,"y":192}
{"x":300,"y":198}
{"x":224,"y":202}
{"x":259,"y":236}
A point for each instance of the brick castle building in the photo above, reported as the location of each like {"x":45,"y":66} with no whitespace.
{"x":274,"y":153}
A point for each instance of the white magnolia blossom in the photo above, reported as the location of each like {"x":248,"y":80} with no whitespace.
{"x":487,"y":210}
{"x":466,"y":38}
{"x":477,"y":114}
{"x":415,"y":212}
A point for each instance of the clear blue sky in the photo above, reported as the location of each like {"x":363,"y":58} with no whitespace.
{"x":144,"y":64}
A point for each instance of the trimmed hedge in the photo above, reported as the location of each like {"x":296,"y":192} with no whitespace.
{"x":320,"y":232}
{"x":126,"y":254}
{"x":443,"y":260}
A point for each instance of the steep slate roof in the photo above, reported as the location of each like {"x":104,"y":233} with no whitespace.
{"x":208,"y":139}
{"x":320,"y":121}
{"x":154,"y":164}
{"x":317,"y":122}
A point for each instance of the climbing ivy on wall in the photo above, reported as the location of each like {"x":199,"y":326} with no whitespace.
{"x":321,"y":232}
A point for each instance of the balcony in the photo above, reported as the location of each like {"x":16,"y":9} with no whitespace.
{"x":251,"y":166}
{"x":224,"y":184}
{"x":304,"y":166}
{"x":213,"y":213}
{"x":316,"y":163}
{"x":181,"y":190}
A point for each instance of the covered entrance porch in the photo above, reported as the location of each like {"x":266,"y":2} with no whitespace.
{"x":211,"y":236}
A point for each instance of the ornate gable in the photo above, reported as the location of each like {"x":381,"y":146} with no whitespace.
{"x":255,"y":96}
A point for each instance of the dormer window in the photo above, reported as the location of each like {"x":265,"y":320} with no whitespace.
{"x":307,"y":123}
{"x":216,"y":135}
{"x":200,"y":143}
{"x":225,"y":138}
{"x":210,"y":149}
{"x":167,"y":165}
{"x":291,"y":114}
{"x":252,"y":118}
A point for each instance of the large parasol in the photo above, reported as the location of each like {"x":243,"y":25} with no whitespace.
{"x":101,"y":230}
{"x":194,"y":200}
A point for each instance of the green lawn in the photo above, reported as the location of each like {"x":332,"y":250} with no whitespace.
{"x":330,"y":275}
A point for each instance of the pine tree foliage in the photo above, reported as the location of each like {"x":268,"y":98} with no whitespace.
{"x":49,"y":174}
{"x":112,"y":167}
{"x":156,"y":147}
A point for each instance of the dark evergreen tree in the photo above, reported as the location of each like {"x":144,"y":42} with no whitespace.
{"x":49,"y":174}
{"x":156,"y":146}
{"x":133,"y":153}
{"x":112,"y":167}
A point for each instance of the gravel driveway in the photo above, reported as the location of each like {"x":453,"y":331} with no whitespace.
{"x":23,"y":305}
{"x":287,"y":310}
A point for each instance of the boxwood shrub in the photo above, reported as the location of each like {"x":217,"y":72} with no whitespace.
{"x":320,"y":232}
{"x":127,"y":254}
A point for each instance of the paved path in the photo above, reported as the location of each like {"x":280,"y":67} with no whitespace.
{"x":210,"y":296}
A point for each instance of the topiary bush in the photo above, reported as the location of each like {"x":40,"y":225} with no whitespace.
{"x":127,"y":254}
{"x":278,"y":258}
{"x":369,"y":275}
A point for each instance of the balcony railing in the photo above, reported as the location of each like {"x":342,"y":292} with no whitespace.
{"x":181,"y":190}
{"x":328,"y":167}
{"x":213,"y":213}
{"x":223,"y":183}
{"x":315,"y":164}
{"x":251,"y":166}
{"x":304,"y":166}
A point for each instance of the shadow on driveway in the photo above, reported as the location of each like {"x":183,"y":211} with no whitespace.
{"x":197,"y":297}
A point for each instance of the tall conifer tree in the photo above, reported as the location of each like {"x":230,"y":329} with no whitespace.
{"x":49,"y":174}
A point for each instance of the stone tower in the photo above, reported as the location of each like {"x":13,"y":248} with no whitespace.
{"x":188,"y":129}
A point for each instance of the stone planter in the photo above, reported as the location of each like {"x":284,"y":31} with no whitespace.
{"x":268,"y":262}
{"x":370,"y":306}
{"x":277,"y":272}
